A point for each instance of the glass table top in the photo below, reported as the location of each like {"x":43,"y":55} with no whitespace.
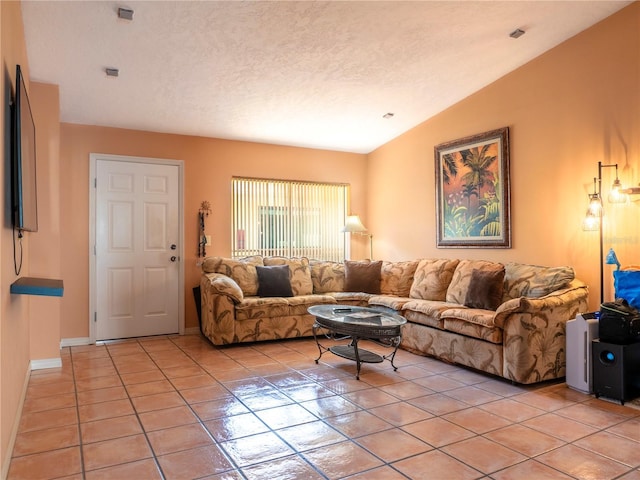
{"x":363,"y":316}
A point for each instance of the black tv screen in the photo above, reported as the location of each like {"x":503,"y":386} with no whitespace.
{"x":25,"y":204}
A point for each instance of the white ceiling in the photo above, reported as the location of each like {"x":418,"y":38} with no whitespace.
{"x":312,"y":74}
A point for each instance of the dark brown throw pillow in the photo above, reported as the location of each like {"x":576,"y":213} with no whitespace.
{"x":485,"y":289}
{"x":362,"y":276}
{"x":274,"y":281}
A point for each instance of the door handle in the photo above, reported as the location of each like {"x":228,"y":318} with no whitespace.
{"x":173,"y":246}
{"x":173,"y":258}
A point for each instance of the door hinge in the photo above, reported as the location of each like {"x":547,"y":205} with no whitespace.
{"x":95,"y":317}
{"x":95,"y":182}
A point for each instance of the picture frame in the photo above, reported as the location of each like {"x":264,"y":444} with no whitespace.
{"x":473,"y":191}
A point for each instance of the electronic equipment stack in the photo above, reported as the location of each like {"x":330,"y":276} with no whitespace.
{"x":581,"y":331}
{"x":615,"y":355}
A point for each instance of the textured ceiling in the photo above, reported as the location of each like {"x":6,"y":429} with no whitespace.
{"x":312,"y":74}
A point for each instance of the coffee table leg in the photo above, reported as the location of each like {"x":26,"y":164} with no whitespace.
{"x":313,"y":328}
{"x":392,"y":356}
{"x":354,"y":342}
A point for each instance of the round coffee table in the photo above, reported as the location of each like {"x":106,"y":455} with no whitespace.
{"x":358,"y":323}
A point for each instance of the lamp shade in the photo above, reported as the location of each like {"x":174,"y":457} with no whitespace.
{"x":591,"y":222}
{"x":595,"y":205}
{"x":617,"y":194}
{"x":353,"y":224}
{"x":612,"y":258}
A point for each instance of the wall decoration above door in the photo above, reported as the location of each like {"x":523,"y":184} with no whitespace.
{"x":203,"y":239}
{"x":473,"y":191}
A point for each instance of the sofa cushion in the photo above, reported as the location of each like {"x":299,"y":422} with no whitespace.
{"x":299,"y":304}
{"x":242,"y":270}
{"x":475,"y":330}
{"x":485,"y":288}
{"x":273,"y":281}
{"x":431,"y":308}
{"x":299,"y":271}
{"x":534,"y":281}
{"x":459,"y":286}
{"x":422,"y":319}
{"x":471,"y":315}
{"x":473,"y":322}
{"x":258,"y":307}
{"x":389,"y":301}
{"x":396,"y":278}
{"x":352,"y":298}
{"x":327,"y":276}
{"x":362,"y":276}
{"x":432,"y":278}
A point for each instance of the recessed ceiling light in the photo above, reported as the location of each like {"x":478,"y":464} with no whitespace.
{"x":125,"y":13}
{"x":517,"y":33}
{"x":387,"y":115}
{"x":112,"y":72}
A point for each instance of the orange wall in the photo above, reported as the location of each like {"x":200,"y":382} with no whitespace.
{"x":44,"y":253}
{"x":567,"y":109}
{"x":14,"y":309}
{"x":209,"y":165}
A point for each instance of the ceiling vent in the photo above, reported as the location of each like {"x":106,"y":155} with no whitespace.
{"x":125,"y":13}
{"x":517,"y":33}
{"x":112,"y":72}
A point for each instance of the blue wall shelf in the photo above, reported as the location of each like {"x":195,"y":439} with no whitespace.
{"x":38,"y":286}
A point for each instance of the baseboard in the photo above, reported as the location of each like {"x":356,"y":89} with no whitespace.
{"x":75,"y":342}
{"x":46,"y":363}
{"x":14,"y":430}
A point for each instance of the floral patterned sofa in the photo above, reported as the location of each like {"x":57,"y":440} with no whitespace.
{"x":507,"y":320}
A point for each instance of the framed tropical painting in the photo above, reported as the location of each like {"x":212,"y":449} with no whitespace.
{"x":472,"y":191}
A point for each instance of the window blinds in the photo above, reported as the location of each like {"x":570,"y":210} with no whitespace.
{"x":288,"y":218}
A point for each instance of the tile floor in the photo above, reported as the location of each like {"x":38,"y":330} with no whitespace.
{"x":177,"y":407}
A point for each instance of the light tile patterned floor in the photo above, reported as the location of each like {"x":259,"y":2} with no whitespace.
{"x":177,"y":407}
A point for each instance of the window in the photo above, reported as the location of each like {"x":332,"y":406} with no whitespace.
{"x":288,"y":218}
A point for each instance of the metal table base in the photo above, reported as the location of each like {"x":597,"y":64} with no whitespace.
{"x":353,"y":352}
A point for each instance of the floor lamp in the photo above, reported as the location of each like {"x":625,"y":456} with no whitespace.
{"x":354,"y":225}
{"x":595,"y":213}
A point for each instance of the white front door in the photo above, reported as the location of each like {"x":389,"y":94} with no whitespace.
{"x":137,"y":234}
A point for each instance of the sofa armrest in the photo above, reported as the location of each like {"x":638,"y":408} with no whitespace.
{"x":575,"y":291}
{"x":534,"y":333}
{"x":220,"y":284}
{"x":506,"y":309}
{"x":219,"y":296}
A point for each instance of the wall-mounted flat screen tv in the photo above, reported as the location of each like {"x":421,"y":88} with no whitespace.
{"x":24,"y":195}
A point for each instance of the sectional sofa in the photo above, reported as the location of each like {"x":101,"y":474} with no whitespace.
{"x":506,"y":320}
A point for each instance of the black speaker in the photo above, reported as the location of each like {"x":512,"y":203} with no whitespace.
{"x":616,"y":370}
